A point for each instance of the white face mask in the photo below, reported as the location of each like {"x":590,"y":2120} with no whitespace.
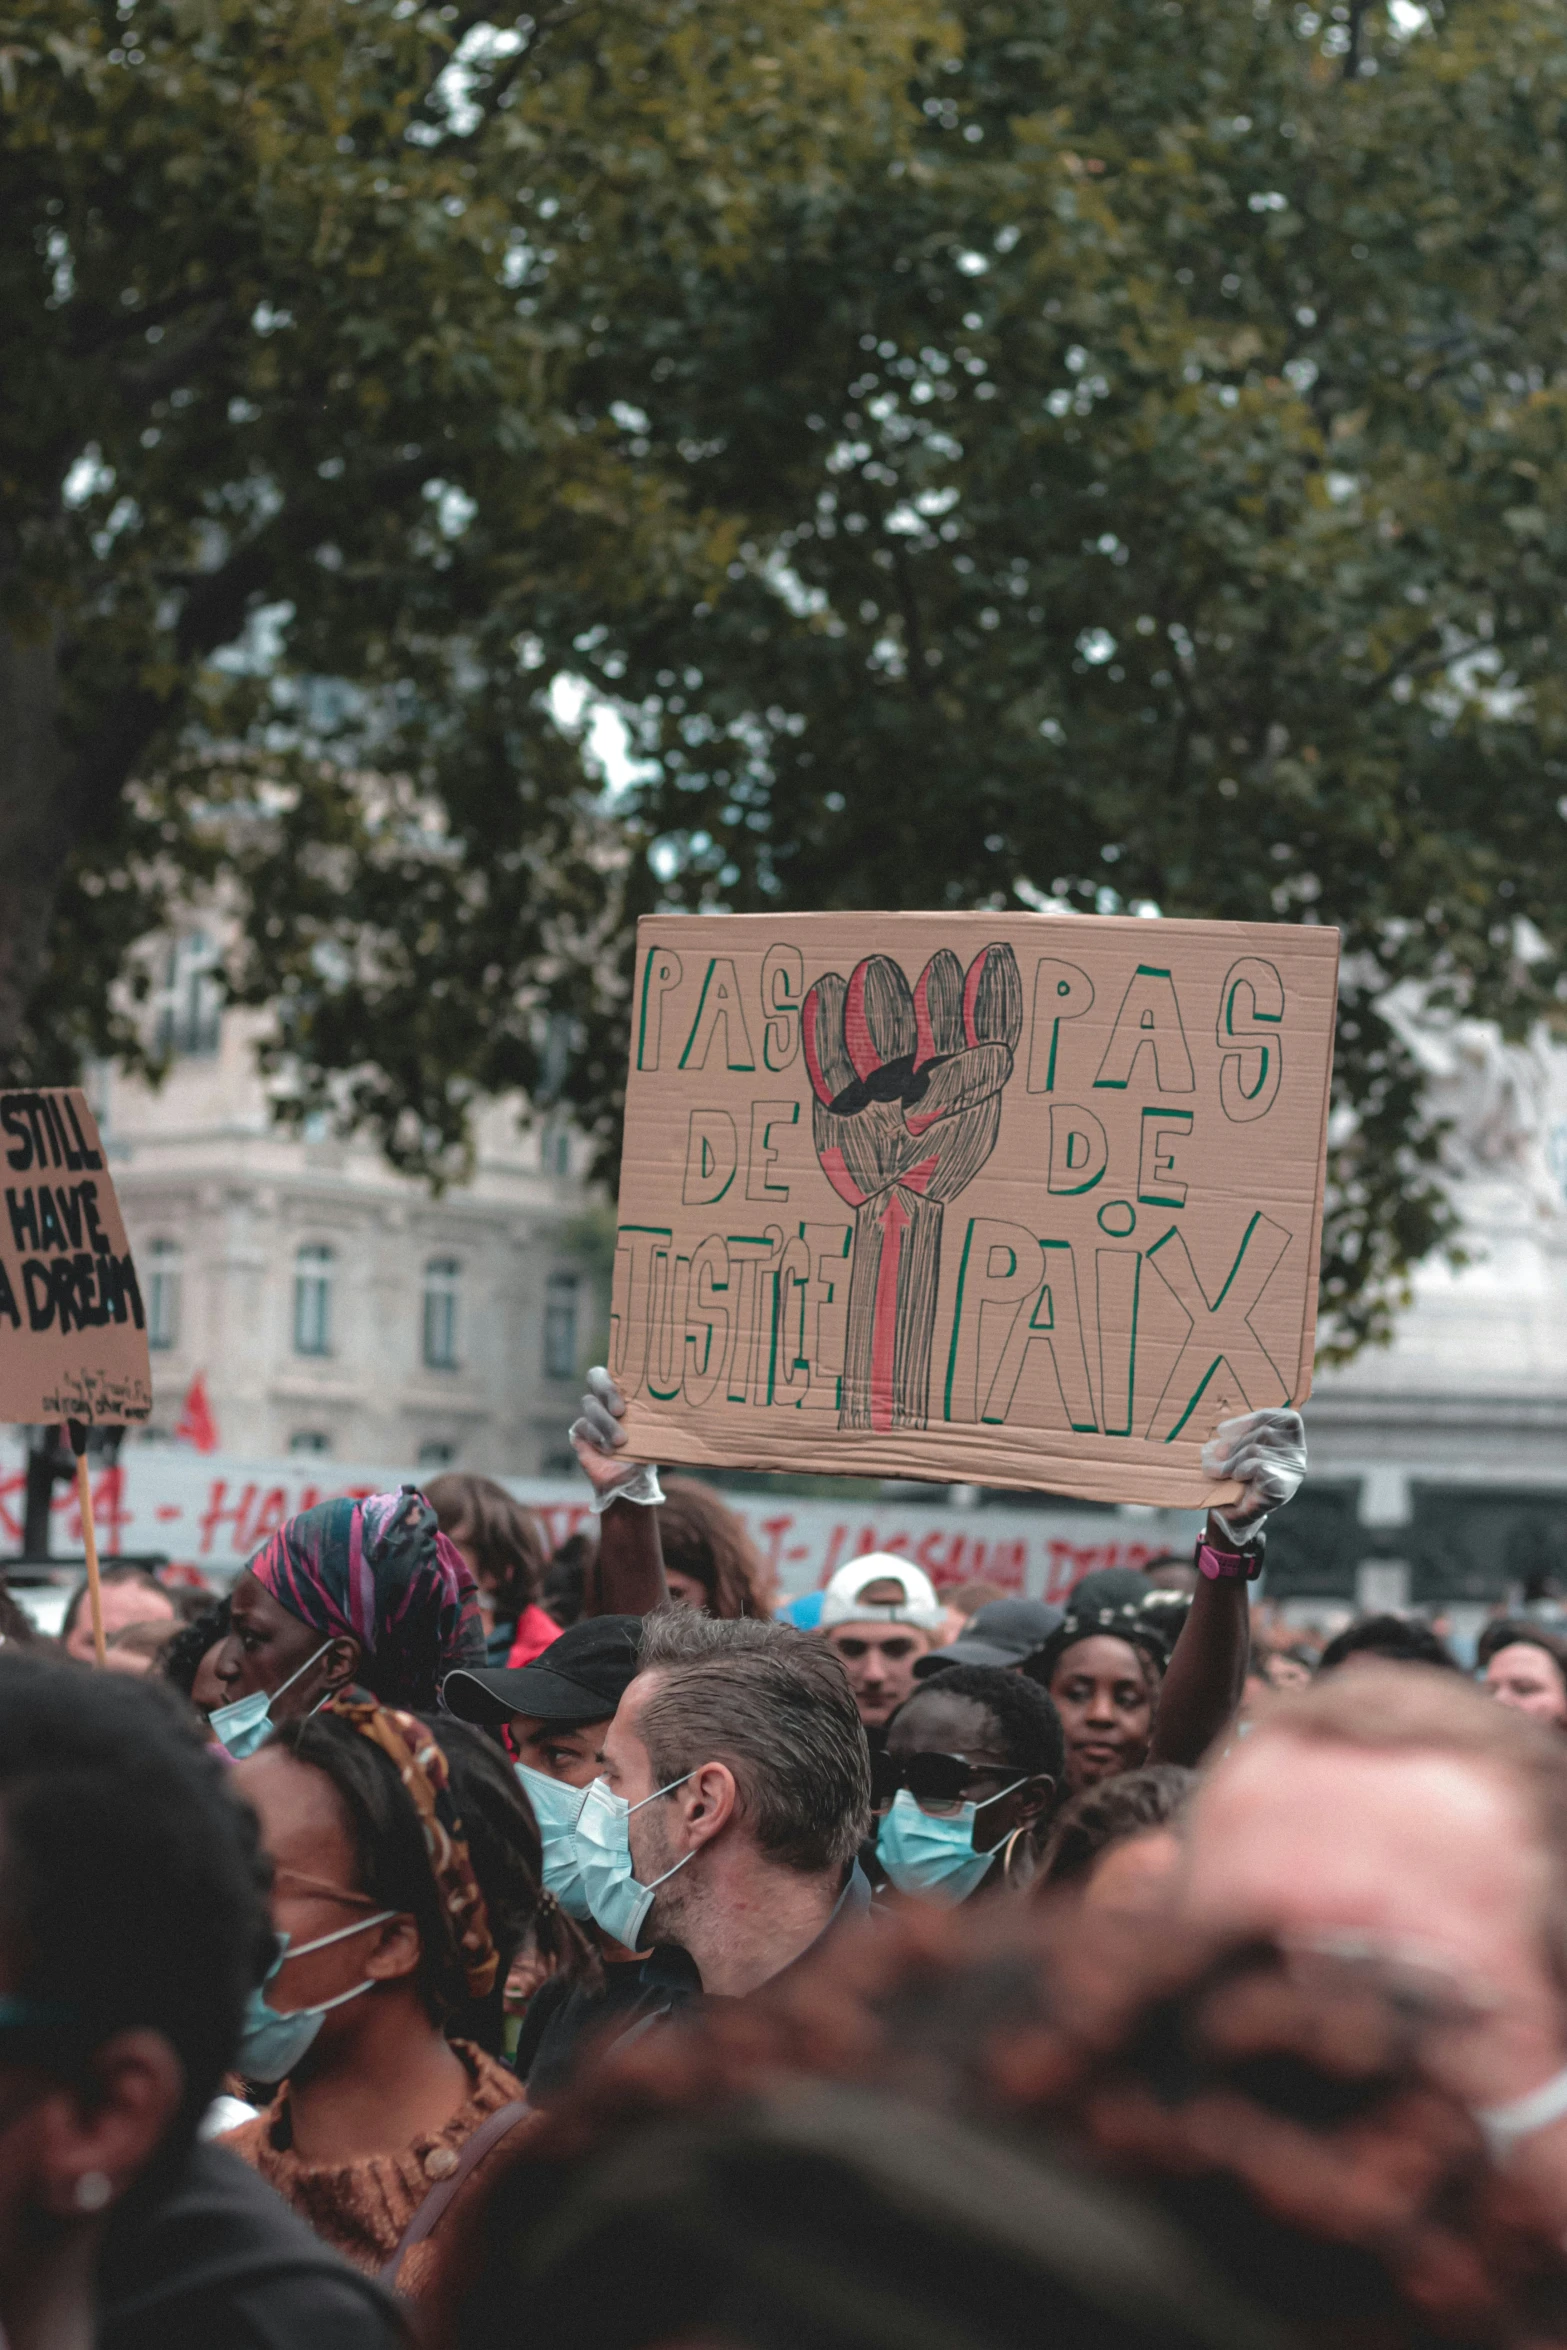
{"x":242,"y":1726}
{"x":602,"y":1843}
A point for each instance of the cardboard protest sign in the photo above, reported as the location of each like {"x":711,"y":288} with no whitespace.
{"x":73,"y":1338}
{"x":1005,"y":1199}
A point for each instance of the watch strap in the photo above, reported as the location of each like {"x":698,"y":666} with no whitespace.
{"x":1235,"y":1566}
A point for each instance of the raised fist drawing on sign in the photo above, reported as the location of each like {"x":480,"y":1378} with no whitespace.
{"x":908,"y":1105}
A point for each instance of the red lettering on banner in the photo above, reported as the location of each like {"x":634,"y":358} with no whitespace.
{"x":221,"y":1512}
{"x":109,"y":1511}
{"x":110,"y":1515}
{"x":1070,"y":1562}
{"x":775,"y":1530}
{"x":1003,"y":1563}
{"x":10,"y":1523}
{"x":274,"y":1509}
{"x":943,"y":1554}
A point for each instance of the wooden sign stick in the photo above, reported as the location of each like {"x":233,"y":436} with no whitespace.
{"x":78,"y":1436}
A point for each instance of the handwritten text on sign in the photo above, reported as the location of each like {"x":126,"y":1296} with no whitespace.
{"x":1006,"y":1199}
{"x":73,"y":1342}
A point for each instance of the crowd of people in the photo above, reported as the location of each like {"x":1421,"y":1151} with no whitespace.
{"x":432,"y":1940}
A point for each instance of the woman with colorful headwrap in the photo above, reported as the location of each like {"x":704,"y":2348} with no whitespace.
{"x":406,"y":1878}
{"x":368,"y":1594}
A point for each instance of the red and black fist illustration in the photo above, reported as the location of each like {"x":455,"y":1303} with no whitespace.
{"x":908,"y":1086}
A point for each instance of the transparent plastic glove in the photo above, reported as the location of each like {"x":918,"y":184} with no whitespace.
{"x":597,"y":1436}
{"x":1266,"y":1453}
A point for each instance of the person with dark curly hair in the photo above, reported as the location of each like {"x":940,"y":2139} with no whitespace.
{"x":970,"y":1771}
{"x":997,"y":2127}
{"x":1115,"y":1843}
{"x":406,"y":1879}
{"x":190,"y":1649}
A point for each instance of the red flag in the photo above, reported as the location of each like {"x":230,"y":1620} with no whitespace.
{"x":197,"y":1426}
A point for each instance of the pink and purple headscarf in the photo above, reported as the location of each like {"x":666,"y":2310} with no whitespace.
{"x":381,"y":1571}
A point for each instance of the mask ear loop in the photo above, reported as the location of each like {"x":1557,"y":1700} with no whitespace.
{"x":325,"y":1941}
{"x":1007,"y":1848}
{"x":300,"y":1674}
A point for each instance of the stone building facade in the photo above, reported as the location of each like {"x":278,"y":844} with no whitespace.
{"x":328,"y":1304}
{"x":1439,"y":1463}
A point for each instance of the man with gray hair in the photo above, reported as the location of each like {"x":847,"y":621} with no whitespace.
{"x":721,"y":1836}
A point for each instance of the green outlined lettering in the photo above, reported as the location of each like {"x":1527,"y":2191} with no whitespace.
{"x":1150,"y":1017}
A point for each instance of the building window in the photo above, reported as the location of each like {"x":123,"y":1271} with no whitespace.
{"x":163,"y":1294}
{"x":560,"y":1326}
{"x":310,"y":1440}
{"x":437,"y":1455}
{"x":190,"y":1001}
{"x":313,"y":1300}
{"x":441,"y":1276}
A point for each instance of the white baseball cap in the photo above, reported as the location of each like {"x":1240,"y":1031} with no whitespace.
{"x":842,"y":1604}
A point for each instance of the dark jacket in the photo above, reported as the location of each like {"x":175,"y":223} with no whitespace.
{"x":217,"y":2261}
{"x":561,"y":2020}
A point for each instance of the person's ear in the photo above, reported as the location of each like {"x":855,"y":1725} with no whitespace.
{"x":710,"y":1800}
{"x":340,"y":1665}
{"x":99,"y":2135}
{"x":1035,"y":1797}
{"x":397,"y":1950}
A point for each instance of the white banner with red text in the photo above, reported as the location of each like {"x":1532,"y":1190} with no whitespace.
{"x":212,"y":1512}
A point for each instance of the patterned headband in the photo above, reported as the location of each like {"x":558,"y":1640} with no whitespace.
{"x":422,"y":1768}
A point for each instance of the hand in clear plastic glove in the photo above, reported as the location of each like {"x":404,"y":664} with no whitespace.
{"x":1265,"y":1452}
{"x":597,"y":1436}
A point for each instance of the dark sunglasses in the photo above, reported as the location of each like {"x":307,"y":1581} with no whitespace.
{"x":929,"y":1778}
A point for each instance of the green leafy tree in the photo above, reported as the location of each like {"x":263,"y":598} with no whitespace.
{"x":297,"y":487}
{"x":1152,"y":495}
{"x":1096,"y":455}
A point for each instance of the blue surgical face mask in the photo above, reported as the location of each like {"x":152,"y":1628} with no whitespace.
{"x":934,"y":1856}
{"x":556,"y":1806}
{"x":242,"y":1726}
{"x":272,"y":2045}
{"x":602,"y":1843}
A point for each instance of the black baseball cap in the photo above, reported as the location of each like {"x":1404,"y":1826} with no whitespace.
{"x":1001,"y":1633}
{"x":581,"y":1677}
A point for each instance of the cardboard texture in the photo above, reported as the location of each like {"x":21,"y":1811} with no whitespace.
{"x":1013,"y":1200}
{"x":73,"y":1338}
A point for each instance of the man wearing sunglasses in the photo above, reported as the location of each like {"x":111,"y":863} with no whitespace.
{"x":879,"y":1617}
{"x":966,"y":1784}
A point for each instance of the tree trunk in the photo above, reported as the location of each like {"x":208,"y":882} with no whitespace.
{"x":35,"y":820}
